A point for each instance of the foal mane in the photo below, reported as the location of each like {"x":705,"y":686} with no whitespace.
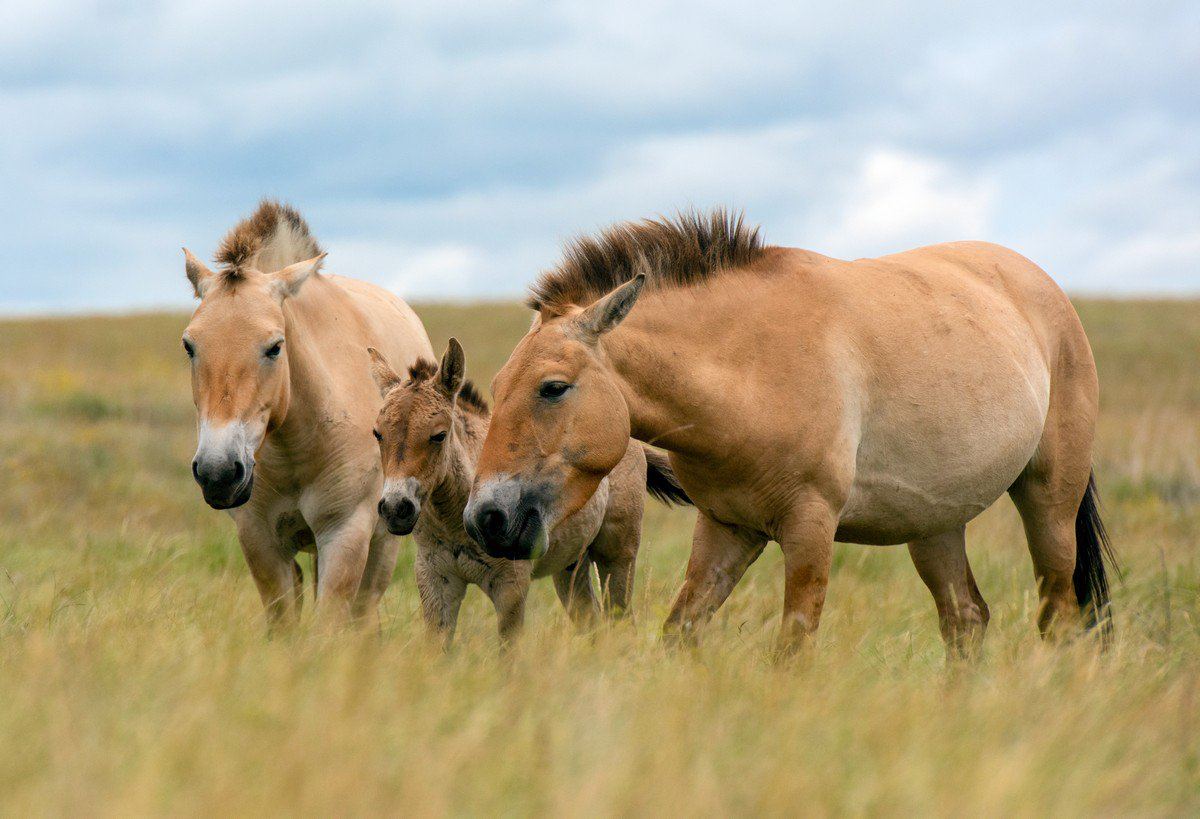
{"x":271,"y":238}
{"x":690,"y":248}
{"x":469,"y":396}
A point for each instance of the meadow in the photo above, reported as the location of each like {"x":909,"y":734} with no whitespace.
{"x":136,"y":677}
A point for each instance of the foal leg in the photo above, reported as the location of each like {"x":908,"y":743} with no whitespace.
{"x":615,"y":547}
{"x":508,"y":589}
{"x":614,"y":552}
{"x":941,"y":562}
{"x":616,"y":583}
{"x":720,"y":556}
{"x":441,"y":598}
{"x":574,"y":587}
{"x":275,"y":573}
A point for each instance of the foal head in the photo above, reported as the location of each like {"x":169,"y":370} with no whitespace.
{"x":420,"y":430}
{"x":239,"y":359}
{"x":559,"y":426}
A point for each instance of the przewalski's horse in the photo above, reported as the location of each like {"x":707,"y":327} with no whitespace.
{"x":430,"y":430}
{"x":286,"y":406}
{"x":802,"y":399}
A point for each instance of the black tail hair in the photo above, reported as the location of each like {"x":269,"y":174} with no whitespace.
{"x":1092,"y":551}
{"x":661,"y":482}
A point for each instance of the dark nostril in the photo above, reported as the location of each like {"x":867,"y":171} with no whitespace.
{"x":379,"y":508}
{"x":239,"y":471}
{"x":406,"y":509}
{"x":196,"y":470}
{"x":493,"y":522}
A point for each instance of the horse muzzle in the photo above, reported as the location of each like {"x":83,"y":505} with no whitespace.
{"x":225,"y":482}
{"x":224,"y":464}
{"x":507,"y":522}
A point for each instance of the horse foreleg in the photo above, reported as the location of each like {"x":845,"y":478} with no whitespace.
{"x":941,"y":562}
{"x":377,"y":576}
{"x":807,"y":544}
{"x":342,"y":550}
{"x":274,"y":571}
{"x":720,"y":556}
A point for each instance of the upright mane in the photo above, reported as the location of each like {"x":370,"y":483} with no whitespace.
{"x":271,"y":238}
{"x":679,"y":252}
{"x":469,"y":396}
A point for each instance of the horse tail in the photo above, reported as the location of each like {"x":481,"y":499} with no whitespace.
{"x":661,"y":482}
{"x":1092,"y":551}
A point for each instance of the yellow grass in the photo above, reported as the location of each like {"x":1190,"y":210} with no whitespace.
{"x":135,"y":676}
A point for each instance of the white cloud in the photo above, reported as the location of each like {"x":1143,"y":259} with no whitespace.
{"x":898,"y":200}
{"x":452,"y":148}
{"x":444,"y":271}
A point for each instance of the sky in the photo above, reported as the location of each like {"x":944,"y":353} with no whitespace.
{"x":446,"y":151}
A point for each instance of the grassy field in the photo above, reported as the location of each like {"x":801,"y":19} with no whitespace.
{"x":135,"y":676}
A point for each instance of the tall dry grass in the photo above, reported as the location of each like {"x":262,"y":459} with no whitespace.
{"x":135,"y":677}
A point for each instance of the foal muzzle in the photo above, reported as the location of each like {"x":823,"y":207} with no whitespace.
{"x":400,"y":506}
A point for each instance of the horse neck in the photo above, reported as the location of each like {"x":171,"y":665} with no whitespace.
{"x":670,"y":406}
{"x":307,"y":317}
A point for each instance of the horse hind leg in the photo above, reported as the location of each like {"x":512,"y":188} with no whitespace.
{"x":1050,"y":530}
{"x":1048,"y":496}
{"x":963,"y":614}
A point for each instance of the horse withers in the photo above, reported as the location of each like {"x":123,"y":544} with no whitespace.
{"x":285,"y":410}
{"x":803,"y":398}
{"x":430,"y":430}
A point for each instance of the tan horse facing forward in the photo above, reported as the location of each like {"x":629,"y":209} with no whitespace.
{"x":802,"y":399}
{"x":286,"y":405}
{"x":430,"y":431}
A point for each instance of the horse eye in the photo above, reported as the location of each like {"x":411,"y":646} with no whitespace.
{"x":378,"y":436}
{"x":275,"y":349}
{"x":553,"y":390}
{"x":437,"y":438}
{"x":189,"y":349}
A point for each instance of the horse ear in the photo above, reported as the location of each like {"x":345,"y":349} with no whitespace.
{"x":287,"y":282}
{"x":198,"y":274}
{"x":608,"y":312}
{"x":453,"y":368}
{"x":385,"y":377}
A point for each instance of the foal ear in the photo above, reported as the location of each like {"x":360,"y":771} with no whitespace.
{"x":385,"y":377}
{"x":287,"y":282}
{"x":453,"y":368}
{"x":607,"y":313}
{"x":199,"y":275}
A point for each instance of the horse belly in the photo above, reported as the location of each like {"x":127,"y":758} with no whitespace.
{"x":939,"y":453}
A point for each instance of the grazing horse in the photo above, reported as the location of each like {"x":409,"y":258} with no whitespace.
{"x":286,"y":405}
{"x":430,"y":431}
{"x":804,"y":399}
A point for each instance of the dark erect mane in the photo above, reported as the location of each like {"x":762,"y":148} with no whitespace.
{"x":469,"y":396}
{"x":274,"y":236}
{"x":692,"y":247}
